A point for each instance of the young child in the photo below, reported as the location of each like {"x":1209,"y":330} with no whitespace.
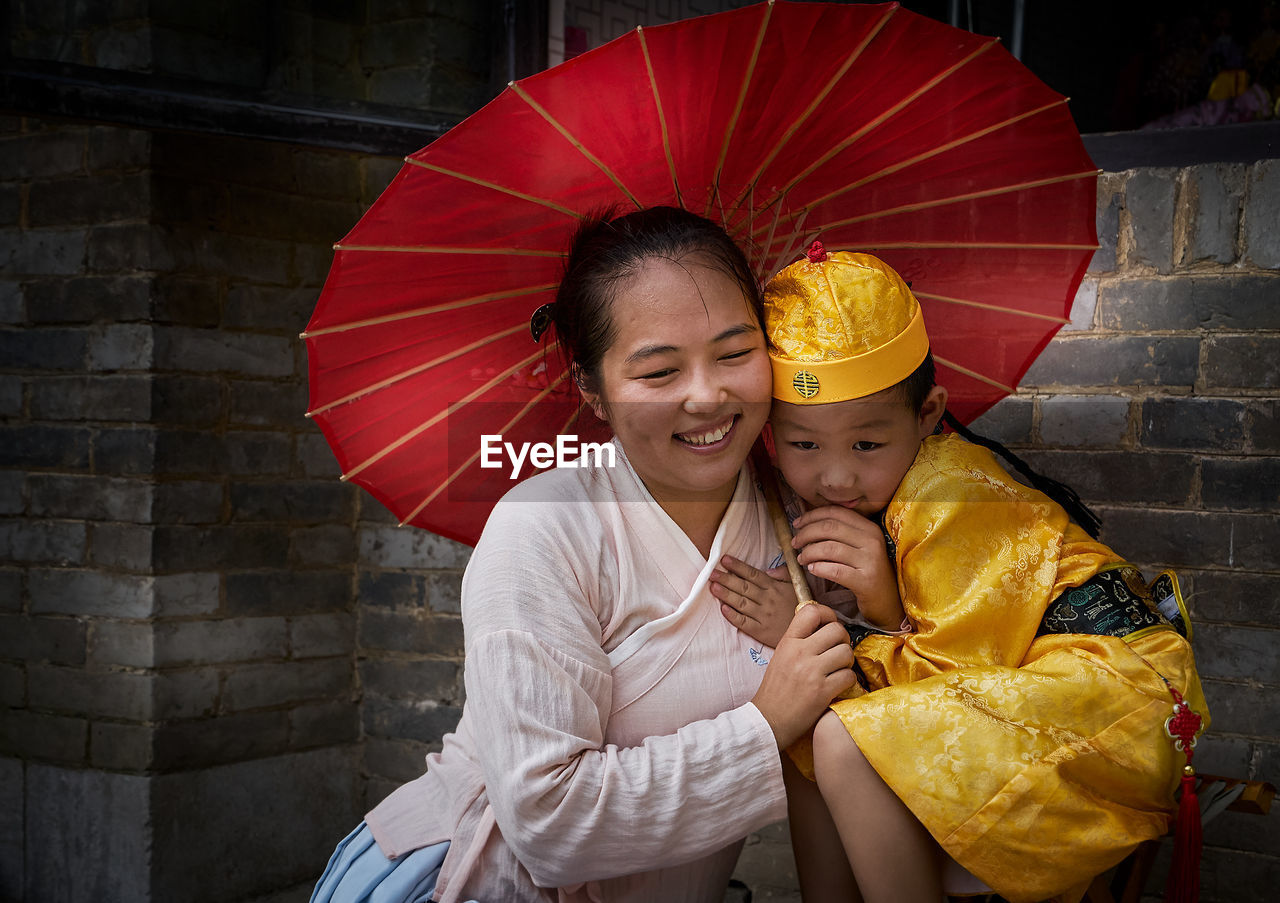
{"x":1020,"y":723}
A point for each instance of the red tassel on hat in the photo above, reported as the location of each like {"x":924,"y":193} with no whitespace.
{"x":1183,"y":885}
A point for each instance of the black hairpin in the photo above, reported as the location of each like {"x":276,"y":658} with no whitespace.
{"x":540,"y":320}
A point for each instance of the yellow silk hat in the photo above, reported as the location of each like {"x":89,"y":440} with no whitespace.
{"x":841,"y":325}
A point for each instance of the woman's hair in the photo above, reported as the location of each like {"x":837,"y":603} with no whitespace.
{"x":608,"y":250}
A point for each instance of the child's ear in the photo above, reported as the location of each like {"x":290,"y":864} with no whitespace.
{"x":935,"y":404}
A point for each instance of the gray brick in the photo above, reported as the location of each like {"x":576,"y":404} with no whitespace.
{"x":118,"y":746}
{"x":90,"y":398}
{"x":314,"y":456}
{"x":444,"y":593}
{"x":407,"y":547}
{"x":1236,"y":708}
{"x":35,"y":542}
{"x":11,"y":394}
{"x":1237,"y":653}
{"x":371,"y":512}
{"x":124,"y":346}
{"x":80,"y":592}
{"x":186,"y":694}
{"x":116,"y":248}
{"x":11,"y":496}
{"x":1234,"y":597}
{"x":88,"y":299}
{"x":186,"y":400}
{"x":1084,"y":420}
{"x":1169,"y":538}
{"x":89,"y":497}
{"x":1264,"y":426}
{"x":1008,"y":422}
{"x":183,"y":300}
{"x":111,"y":694}
{"x":11,"y":590}
{"x":251,"y":258}
{"x":1150,"y":197}
{"x":214,"y":351}
{"x":45,"y":348}
{"x":1110,"y":189}
{"x":1191,"y":302}
{"x":1211,"y":424}
{"x":285,"y":683}
{"x":1251,"y":484}
{"x":1116,"y":361}
{"x":46,"y":252}
{"x":118,"y":148}
{"x":177,"y":595}
{"x":409,"y":720}
{"x":330,"y":545}
{"x":190,"y":452}
{"x":56,"y":152}
{"x":286,"y":310}
{"x":125,"y":547}
{"x":188,"y":502}
{"x":228,"y":640}
{"x":193,"y":548}
{"x":13,"y":695}
{"x":292,"y":502}
{"x":323,"y":724}
{"x":1216,"y":198}
{"x":397,"y":631}
{"x":399,"y":760}
{"x":200,"y":743}
{"x":258,"y":453}
{"x":1248,"y":362}
{"x":1221,"y":755}
{"x":35,"y":639}
{"x":317,"y":636}
{"x":288,"y":592}
{"x":420,"y":679}
{"x":1261,"y":240}
{"x":126,"y":450}
{"x":36,"y":735}
{"x":1115,"y":477}
{"x":128,"y":643}
{"x":99,"y":198}
{"x":64,"y":447}
{"x":1083,"y":307}
{"x":392,"y":589}
{"x":263,"y":403}
{"x":13,"y":308}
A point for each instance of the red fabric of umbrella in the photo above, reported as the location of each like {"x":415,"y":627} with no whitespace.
{"x":870,"y":127}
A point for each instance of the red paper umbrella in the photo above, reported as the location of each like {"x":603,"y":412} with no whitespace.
{"x":869,"y":127}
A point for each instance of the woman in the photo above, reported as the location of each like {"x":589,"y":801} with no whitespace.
{"x":612,"y":715}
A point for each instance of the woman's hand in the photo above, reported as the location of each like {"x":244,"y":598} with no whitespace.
{"x":812,"y":664}
{"x":842,"y":546}
{"x":759,"y":603}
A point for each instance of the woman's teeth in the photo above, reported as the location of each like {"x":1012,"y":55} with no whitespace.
{"x":709,"y":437}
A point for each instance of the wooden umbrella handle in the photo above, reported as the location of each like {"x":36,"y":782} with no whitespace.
{"x":781,"y":526}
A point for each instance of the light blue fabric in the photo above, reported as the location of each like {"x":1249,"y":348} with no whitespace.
{"x":358,"y":872}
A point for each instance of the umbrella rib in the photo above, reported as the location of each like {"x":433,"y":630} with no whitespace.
{"x":815,"y":103}
{"x":662,"y":118}
{"x":427,"y":311}
{"x":996,"y":307}
{"x":423,"y":427}
{"x":792,"y":245}
{"x":505,"y":428}
{"x":414,"y":371}
{"x":997,"y":245}
{"x":933,"y":152}
{"x":577,"y":145}
{"x":978,"y":376}
{"x":742,"y":97}
{"x":511,"y":192}
{"x":958,"y":199}
{"x":447,"y":249}
{"x":887,"y":114}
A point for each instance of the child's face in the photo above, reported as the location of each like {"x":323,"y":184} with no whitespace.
{"x":850,"y":453}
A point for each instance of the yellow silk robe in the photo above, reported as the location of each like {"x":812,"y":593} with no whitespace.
{"x":1035,"y":762}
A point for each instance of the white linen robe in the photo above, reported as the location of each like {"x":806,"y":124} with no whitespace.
{"x":608,"y":749}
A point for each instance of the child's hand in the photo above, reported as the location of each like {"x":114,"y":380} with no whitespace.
{"x":842,"y":546}
{"x":759,"y":603}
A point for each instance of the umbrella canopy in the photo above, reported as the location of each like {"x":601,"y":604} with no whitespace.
{"x":868,"y":126}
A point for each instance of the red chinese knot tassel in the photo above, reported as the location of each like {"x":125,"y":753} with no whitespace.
{"x":1183,"y":885}
{"x":816,"y":253}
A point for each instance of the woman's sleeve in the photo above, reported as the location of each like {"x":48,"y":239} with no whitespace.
{"x":976,"y":570}
{"x":539,"y":693}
